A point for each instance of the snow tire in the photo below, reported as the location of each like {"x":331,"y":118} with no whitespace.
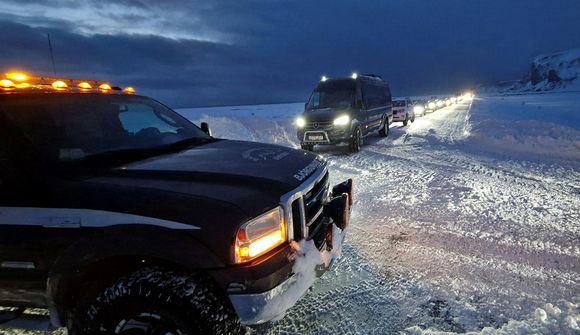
{"x":153,"y":301}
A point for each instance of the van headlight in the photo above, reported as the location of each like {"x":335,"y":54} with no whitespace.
{"x":418,"y":109}
{"x":342,"y":120}
{"x":260,"y":235}
{"x":300,"y":122}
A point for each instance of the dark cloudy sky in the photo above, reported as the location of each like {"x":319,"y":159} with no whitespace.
{"x":217,"y":52}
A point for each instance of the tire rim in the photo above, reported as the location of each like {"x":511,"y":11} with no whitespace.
{"x":147,"y":324}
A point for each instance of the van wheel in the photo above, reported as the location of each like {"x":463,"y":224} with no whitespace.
{"x":154,"y":301}
{"x":406,"y":121}
{"x":356,"y":141}
{"x":384,"y":131}
{"x":413,"y":118}
{"x":307,"y":147}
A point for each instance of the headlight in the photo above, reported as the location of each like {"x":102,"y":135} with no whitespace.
{"x":432,"y":105}
{"x":342,"y":120}
{"x":260,"y":235}
{"x":300,"y":122}
{"x":418,"y":109}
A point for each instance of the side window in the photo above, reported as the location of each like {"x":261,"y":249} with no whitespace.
{"x":366,"y":93}
{"x":388,"y":94}
{"x":314,"y":100}
{"x":136,"y":117}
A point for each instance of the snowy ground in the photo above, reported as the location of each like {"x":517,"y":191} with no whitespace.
{"x":468,"y":218}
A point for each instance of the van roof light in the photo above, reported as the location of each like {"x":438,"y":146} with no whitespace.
{"x":354,"y":75}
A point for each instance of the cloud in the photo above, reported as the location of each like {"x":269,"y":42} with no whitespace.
{"x":190,"y":53}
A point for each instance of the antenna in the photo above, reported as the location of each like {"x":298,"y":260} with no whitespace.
{"x":51,"y":54}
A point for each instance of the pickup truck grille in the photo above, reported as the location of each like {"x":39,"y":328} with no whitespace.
{"x":309,"y":223}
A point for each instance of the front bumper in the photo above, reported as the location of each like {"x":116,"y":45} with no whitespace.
{"x":309,"y":262}
{"x":326,"y":135}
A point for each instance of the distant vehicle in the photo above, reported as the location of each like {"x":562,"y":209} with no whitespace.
{"x":419,"y":107}
{"x":403,"y":111}
{"x":431,"y":105}
{"x":344,"y":111}
{"x":120,"y":216}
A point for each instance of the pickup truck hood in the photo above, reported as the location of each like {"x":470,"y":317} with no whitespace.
{"x":251,"y":176}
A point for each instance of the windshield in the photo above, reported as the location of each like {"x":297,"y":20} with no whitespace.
{"x":69,"y":127}
{"x":336,"y":94}
{"x":399,"y":103}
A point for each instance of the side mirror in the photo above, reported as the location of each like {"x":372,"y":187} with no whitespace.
{"x":205,"y":128}
{"x":305,"y":105}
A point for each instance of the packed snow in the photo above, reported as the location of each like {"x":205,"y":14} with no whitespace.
{"x":465,"y":221}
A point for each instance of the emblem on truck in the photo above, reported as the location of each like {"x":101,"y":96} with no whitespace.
{"x":265,"y":154}
{"x":302,"y":174}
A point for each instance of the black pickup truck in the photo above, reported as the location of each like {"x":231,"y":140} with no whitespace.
{"x":119,"y":216}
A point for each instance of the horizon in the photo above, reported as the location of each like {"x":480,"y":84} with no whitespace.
{"x":194,"y":54}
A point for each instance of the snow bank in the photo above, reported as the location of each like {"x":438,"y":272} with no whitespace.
{"x":535,"y":127}
{"x":549,"y":319}
{"x":260,"y":123}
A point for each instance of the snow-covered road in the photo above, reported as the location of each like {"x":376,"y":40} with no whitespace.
{"x":449,"y":232}
{"x":443,"y":237}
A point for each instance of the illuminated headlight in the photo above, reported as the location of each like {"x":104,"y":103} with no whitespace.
{"x":432,"y":105}
{"x":440,"y":103}
{"x":300,"y":122}
{"x":418,"y":109}
{"x":260,"y":235}
{"x":341,"y":120}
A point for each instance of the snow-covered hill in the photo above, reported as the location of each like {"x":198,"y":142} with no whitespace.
{"x":557,"y":71}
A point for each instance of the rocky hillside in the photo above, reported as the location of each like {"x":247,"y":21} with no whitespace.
{"x":558,"y":71}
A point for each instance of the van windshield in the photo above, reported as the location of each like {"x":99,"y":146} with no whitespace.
{"x":333,"y":94}
{"x":399,"y":103}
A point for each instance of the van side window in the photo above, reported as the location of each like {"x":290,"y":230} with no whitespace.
{"x":388,"y":94}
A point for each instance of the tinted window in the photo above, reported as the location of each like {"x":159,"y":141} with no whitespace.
{"x":69,"y":127}
{"x":399,"y":103}
{"x":375,"y":96}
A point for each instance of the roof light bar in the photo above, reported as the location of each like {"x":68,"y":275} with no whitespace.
{"x":59,"y":85}
{"x":84,"y":86}
{"x":5,"y":83}
{"x":354,"y":75}
{"x":324,"y":78}
{"x":105,"y":87}
{"x":21,"y":80}
{"x":17,"y":76}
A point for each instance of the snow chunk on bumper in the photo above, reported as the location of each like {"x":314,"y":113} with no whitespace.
{"x":272,"y":305}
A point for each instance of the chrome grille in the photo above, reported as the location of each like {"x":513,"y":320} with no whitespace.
{"x":304,"y":206}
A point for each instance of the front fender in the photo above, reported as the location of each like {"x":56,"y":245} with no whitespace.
{"x":129,"y":243}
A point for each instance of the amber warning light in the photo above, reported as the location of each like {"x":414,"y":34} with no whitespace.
{"x":17,"y":80}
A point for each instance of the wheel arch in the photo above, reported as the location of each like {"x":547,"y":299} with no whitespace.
{"x":94,"y":263}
